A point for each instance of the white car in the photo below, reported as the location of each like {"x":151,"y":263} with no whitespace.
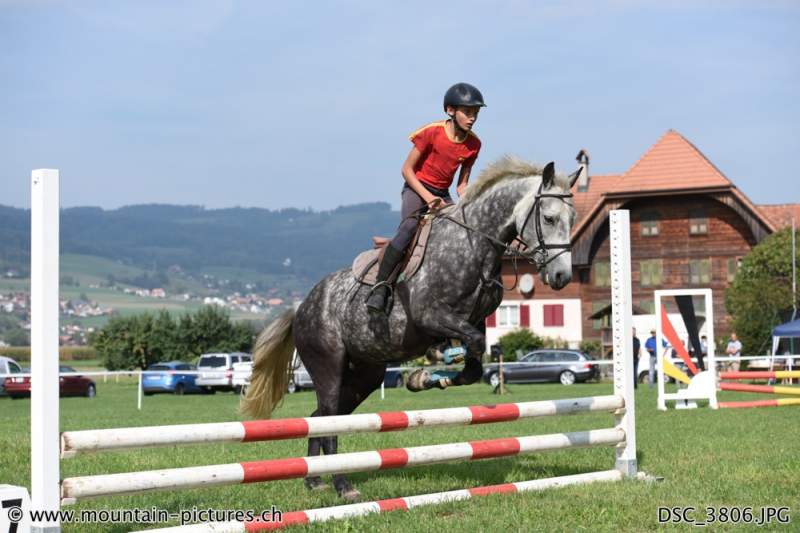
{"x":216,"y":370}
{"x":7,"y":366}
{"x":300,"y":378}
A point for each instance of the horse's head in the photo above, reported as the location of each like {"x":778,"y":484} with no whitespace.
{"x":544,"y":221}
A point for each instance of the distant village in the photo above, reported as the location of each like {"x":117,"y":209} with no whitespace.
{"x":17,"y":304}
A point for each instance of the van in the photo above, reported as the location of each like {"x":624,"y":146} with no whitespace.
{"x":216,"y":370}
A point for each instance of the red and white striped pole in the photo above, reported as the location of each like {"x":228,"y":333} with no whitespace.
{"x":74,"y":442}
{"x":393,"y":504}
{"x":73,"y":489}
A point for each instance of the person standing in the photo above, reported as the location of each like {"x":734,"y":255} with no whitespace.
{"x":650,"y":346}
{"x":636,"y":347}
{"x":703,"y":348}
{"x":734,"y":349}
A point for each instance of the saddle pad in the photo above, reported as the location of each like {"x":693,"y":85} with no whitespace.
{"x":365,"y":265}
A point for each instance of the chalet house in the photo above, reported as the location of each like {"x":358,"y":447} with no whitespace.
{"x":690,"y":227}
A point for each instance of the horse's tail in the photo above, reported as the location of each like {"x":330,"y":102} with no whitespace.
{"x":271,"y":359}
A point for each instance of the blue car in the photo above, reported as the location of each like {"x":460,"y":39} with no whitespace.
{"x":394,"y":377}
{"x":169,"y":382}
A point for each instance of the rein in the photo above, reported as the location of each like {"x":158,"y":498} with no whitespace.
{"x":538,"y":254}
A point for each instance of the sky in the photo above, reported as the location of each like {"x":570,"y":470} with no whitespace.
{"x":278,"y":104}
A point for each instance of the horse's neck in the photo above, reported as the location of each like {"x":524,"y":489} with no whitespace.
{"x":495,"y":211}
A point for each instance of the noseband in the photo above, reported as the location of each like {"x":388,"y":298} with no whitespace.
{"x":539,"y":254}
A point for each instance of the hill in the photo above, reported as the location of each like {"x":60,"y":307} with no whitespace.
{"x":299,"y":244}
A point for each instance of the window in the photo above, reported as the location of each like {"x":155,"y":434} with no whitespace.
{"x":733,"y":266}
{"x":699,"y":271}
{"x":598,"y":323}
{"x":508,"y":315}
{"x":602,"y":274}
{"x":698,"y":222}
{"x":649,"y":306}
{"x":553,"y":315}
{"x":13,"y":368}
{"x":649,"y":223}
{"x":650,"y":272}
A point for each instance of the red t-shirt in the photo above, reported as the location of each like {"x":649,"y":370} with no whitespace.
{"x":441,"y":157}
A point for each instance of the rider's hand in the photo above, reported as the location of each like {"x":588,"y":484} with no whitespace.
{"x":436,"y":203}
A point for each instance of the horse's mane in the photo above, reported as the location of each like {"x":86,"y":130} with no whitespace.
{"x":508,"y":167}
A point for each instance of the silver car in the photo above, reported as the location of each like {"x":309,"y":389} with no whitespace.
{"x":564,"y":366}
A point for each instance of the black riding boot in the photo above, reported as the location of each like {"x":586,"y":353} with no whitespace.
{"x":376,"y":303}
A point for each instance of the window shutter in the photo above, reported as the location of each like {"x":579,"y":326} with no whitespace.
{"x":524,"y":316}
{"x":558,"y":315}
{"x":491,"y":320}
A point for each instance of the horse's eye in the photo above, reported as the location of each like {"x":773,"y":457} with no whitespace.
{"x":549,"y":220}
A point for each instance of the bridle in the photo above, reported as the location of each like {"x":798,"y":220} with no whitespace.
{"x":539,"y":254}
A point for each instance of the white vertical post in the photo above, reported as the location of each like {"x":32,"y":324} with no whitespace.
{"x":711,"y":357}
{"x":45,"y":491}
{"x":383,"y":390}
{"x":661,"y":403}
{"x":622,"y":323}
{"x":139,"y":394}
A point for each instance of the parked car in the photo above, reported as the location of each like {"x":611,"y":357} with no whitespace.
{"x":394,"y":377}
{"x":20,"y":387}
{"x":7,"y":366}
{"x":564,"y":366}
{"x":168,"y":381}
{"x":300,"y":378}
{"x":216,"y":370}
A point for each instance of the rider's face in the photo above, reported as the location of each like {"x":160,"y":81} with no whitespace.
{"x":465,"y":117}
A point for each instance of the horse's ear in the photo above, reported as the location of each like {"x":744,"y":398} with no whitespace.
{"x":574,"y":176}
{"x":548,"y":175}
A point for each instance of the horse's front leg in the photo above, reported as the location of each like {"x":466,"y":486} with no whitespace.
{"x":446,"y":324}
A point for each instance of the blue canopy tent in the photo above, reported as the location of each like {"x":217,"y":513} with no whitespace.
{"x":789,"y":330}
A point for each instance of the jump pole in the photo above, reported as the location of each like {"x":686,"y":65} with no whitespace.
{"x":73,"y":489}
{"x":44,"y":346}
{"x":99,"y":440}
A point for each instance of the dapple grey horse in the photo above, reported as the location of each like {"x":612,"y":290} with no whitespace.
{"x":346,"y":350}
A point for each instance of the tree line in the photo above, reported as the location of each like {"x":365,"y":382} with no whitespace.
{"x":129,"y":342}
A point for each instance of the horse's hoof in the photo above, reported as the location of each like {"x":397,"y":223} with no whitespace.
{"x":418,"y":380}
{"x":316,"y":484}
{"x":351,"y":496}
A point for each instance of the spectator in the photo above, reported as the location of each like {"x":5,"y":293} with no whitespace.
{"x":734,"y":349}
{"x":650,"y":346}
{"x":703,"y":350}
{"x":636,"y":348}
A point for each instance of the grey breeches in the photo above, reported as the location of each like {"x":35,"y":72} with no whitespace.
{"x":413,"y":203}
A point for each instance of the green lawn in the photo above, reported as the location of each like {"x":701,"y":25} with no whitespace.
{"x":744,"y":458}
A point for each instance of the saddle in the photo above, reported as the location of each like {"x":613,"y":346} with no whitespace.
{"x":365,"y":265}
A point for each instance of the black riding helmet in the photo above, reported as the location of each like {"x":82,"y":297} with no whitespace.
{"x":463,"y":94}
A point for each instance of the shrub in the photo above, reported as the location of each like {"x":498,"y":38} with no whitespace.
{"x":591,"y":347}
{"x":522,"y":340}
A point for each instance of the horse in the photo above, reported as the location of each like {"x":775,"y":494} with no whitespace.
{"x":346,"y":350}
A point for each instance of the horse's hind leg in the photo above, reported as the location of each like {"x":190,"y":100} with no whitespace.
{"x":360,"y":380}
{"x":314,"y":448}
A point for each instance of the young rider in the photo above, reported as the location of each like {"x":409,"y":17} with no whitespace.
{"x":440,"y":148}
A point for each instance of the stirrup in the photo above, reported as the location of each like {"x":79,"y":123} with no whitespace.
{"x":388,"y":300}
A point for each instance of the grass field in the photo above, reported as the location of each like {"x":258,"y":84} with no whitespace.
{"x":726,"y":458}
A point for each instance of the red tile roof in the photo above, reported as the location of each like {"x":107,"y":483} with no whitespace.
{"x":781,"y":215}
{"x":673,"y":163}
